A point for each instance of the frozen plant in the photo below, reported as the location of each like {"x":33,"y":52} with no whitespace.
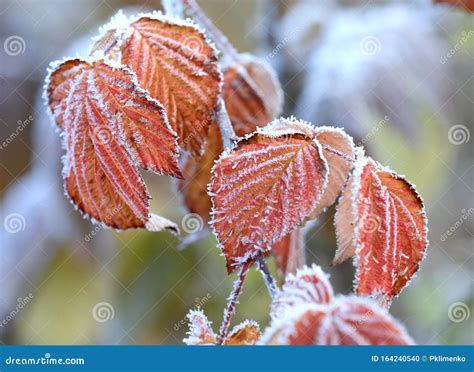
{"x":153,"y":90}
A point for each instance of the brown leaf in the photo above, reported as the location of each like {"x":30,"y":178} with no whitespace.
{"x":246,"y":333}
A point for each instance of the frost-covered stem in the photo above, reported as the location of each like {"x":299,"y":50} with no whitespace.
{"x":232,"y":301}
{"x":173,"y":8}
{"x":225,"y":126}
{"x":267,"y":276}
{"x":194,"y":10}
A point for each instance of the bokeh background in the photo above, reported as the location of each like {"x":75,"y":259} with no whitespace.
{"x":397,"y":75}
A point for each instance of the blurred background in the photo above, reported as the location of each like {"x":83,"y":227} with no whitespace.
{"x":397,"y":75}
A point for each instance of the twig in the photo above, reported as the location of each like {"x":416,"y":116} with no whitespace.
{"x":232,"y":301}
{"x":267,"y":276}
{"x":193,"y":9}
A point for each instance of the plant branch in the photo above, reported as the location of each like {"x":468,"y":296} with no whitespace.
{"x":193,"y":9}
{"x":267,"y":276}
{"x":232,"y":301}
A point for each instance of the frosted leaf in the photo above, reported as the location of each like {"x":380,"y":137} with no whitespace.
{"x":310,"y":285}
{"x":263,"y":189}
{"x":174,"y":61}
{"x":201,"y":332}
{"x":344,"y":321}
{"x":110,"y":125}
{"x":306,"y":313}
{"x":158,"y":223}
{"x":200,"y":329}
{"x":338,"y":149}
{"x":381,"y":219}
{"x":252,"y":94}
{"x":285,"y":127}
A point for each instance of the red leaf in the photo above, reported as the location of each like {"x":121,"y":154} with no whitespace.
{"x":264,"y":189}
{"x":345,"y":321}
{"x":252,"y":94}
{"x":176,"y":64}
{"x":289,"y":253}
{"x":109,"y":126}
{"x":305,"y":313}
{"x":382,"y":220}
{"x":338,"y":150}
